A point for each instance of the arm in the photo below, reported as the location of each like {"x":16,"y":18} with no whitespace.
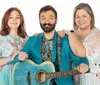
{"x":77,"y":60}
{"x":24,"y":53}
{"x":80,"y":63}
{"x":75,"y":44}
{"x":3,"y":60}
{"x":6,"y":60}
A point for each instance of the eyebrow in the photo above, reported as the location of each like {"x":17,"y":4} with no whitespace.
{"x":12,"y":15}
{"x":50,"y":16}
{"x":82,"y":14}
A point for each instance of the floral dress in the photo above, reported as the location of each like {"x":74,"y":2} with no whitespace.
{"x":92,"y":45}
{"x":9,"y":45}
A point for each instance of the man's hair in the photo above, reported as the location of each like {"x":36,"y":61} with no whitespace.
{"x":46,"y":8}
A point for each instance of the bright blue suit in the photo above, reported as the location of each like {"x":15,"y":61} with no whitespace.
{"x":33,"y":48}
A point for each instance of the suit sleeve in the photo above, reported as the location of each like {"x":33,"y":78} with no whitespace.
{"x":78,"y":60}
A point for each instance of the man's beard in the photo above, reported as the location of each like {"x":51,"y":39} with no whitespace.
{"x":47,"y":27}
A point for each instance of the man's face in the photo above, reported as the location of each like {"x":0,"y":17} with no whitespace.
{"x":47,"y":21}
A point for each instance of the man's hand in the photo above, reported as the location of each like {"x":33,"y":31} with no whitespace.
{"x":22,"y":56}
{"x":36,"y":34}
{"x":66,"y":32}
{"x":61,"y":33}
{"x":83,"y":68}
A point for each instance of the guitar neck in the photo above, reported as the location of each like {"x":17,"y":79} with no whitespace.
{"x":61,"y":74}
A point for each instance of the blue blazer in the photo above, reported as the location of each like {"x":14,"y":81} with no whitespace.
{"x":33,"y":48}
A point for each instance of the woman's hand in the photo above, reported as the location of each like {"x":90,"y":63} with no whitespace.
{"x":83,"y":68}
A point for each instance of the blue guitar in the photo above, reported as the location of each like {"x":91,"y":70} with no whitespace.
{"x":29,"y":73}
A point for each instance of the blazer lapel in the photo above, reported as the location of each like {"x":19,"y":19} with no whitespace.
{"x":54,"y":48}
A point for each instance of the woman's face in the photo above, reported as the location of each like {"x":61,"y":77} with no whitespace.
{"x":82,"y":19}
{"x":14,"y":20}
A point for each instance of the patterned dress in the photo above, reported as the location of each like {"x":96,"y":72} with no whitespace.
{"x":92,"y":45}
{"x":8,"y":45}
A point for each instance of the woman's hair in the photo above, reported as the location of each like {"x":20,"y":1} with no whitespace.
{"x":88,"y":9}
{"x":5,"y":29}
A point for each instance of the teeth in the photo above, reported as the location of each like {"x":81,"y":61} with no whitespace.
{"x":13,"y":23}
{"x":82,"y":23}
{"x":47,"y":26}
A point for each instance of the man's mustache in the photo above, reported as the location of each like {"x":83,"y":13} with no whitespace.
{"x":47,"y":24}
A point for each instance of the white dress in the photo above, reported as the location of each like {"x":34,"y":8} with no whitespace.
{"x":92,"y":45}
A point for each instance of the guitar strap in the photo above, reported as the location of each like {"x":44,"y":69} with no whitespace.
{"x":58,"y":57}
{"x":72,"y":66}
{"x":58,"y":50}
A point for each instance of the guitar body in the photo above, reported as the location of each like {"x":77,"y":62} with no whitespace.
{"x":26,"y":71}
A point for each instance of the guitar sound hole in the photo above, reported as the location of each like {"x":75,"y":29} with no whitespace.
{"x":41,"y":77}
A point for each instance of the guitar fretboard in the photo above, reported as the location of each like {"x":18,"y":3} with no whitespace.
{"x":61,"y":74}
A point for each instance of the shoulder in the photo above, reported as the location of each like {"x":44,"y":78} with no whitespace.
{"x":96,"y":30}
{"x":3,"y":40}
{"x":95,"y":34}
{"x":34,"y":38}
{"x":24,"y":39}
{"x":65,"y":38}
{"x":65,"y":41}
{"x":3,"y":37}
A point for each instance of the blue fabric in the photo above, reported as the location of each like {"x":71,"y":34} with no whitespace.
{"x":7,"y":49}
{"x":33,"y":49}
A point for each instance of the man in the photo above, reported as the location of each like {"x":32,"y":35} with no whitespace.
{"x":43,"y":47}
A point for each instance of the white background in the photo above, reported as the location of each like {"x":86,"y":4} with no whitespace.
{"x":30,"y":10}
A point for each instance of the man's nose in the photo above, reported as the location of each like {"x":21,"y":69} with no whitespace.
{"x":46,"y":21}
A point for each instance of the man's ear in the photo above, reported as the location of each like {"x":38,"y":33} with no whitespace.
{"x":56,"y":21}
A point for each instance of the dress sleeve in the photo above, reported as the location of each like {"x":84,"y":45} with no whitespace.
{"x":92,"y":45}
{"x":24,"y":49}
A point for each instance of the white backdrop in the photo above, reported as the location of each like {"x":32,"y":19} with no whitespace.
{"x":30,"y":10}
